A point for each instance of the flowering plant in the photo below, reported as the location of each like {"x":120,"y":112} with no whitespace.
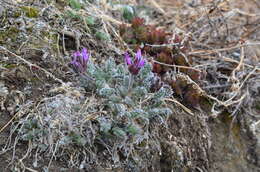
{"x":121,"y":93}
{"x":135,"y":66}
{"x":80,"y":60}
{"x":113,"y":116}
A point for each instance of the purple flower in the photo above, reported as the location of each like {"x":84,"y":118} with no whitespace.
{"x":135,"y":66}
{"x":80,"y":60}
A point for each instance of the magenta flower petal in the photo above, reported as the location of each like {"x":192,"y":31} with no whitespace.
{"x":85,"y":54}
{"x":76,"y":55}
{"x":138,"y":55}
{"x":139,"y":62}
{"x":128,"y":59}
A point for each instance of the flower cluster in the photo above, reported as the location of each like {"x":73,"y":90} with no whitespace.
{"x":135,"y":66}
{"x":80,"y":60}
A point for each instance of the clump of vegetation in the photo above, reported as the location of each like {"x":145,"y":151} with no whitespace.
{"x":117,"y":122}
{"x":166,"y":50}
{"x":127,"y":96}
{"x":30,"y":11}
{"x":92,"y":24}
{"x":153,"y":41}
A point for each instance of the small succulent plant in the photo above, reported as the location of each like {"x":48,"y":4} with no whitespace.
{"x":146,"y":35}
{"x":153,"y":42}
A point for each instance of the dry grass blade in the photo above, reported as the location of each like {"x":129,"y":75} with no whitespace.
{"x":9,"y":122}
{"x":155,"y":4}
{"x":208,"y":52}
{"x":181,"y":105}
{"x":177,"y":66}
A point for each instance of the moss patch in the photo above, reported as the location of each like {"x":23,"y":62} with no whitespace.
{"x":30,"y":12}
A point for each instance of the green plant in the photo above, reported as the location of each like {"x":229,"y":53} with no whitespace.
{"x":32,"y":130}
{"x":126,"y":109}
{"x":128,"y":99}
{"x":90,"y":21}
{"x":101,"y":35}
{"x":74,"y":4}
{"x":131,"y":107}
{"x":128,"y":13}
